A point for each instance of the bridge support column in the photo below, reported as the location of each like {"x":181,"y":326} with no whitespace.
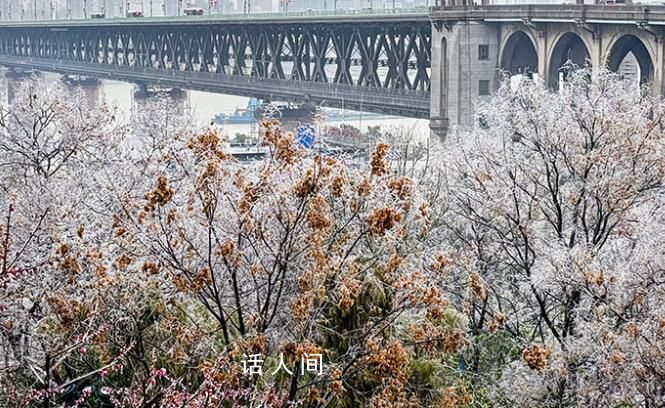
{"x":543,"y":63}
{"x":596,"y":51}
{"x":658,"y":87}
{"x":464,"y":60}
{"x":14,"y":79}
{"x":439,"y":121}
{"x":89,"y":86}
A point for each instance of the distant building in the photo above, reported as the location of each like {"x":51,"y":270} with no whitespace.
{"x":332,"y":5}
{"x":78,"y":8}
{"x":113,"y":8}
{"x":26,"y":9}
{"x":264,"y":6}
{"x":5,"y":10}
{"x":110,"y":8}
{"x":171,"y":7}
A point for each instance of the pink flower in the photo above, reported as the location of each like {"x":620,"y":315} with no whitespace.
{"x":83,"y":350}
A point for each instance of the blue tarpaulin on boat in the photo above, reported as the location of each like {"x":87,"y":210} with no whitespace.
{"x":305,"y":136}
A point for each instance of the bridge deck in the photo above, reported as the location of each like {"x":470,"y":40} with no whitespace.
{"x":563,"y":13}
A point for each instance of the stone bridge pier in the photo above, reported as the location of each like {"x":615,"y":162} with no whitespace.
{"x":473,"y":47}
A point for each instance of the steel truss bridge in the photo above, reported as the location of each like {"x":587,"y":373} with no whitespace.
{"x":378,"y":63}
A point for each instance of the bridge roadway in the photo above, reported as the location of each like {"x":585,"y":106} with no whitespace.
{"x":374,"y":61}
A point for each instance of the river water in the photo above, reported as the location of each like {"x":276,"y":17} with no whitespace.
{"x":203,"y":106}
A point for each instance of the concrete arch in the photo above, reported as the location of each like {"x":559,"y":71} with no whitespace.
{"x":518,"y":54}
{"x":568,"y":47}
{"x":622,"y":45}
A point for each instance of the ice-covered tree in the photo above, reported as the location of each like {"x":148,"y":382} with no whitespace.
{"x":555,"y":223}
{"x":151,"y":261}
